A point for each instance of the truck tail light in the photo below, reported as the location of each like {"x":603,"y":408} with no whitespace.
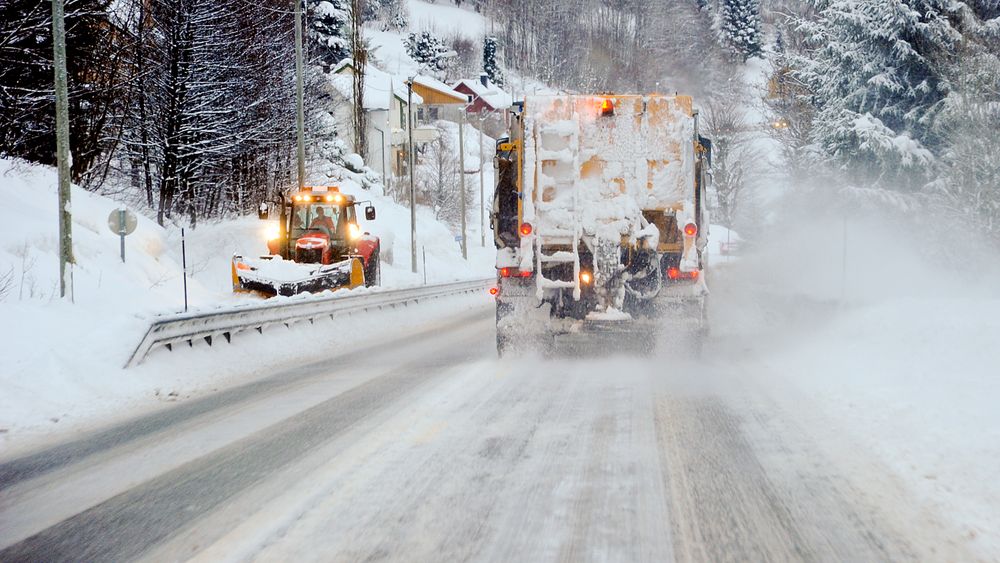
{"x":525,"y":229}
{"x":690,"y":229}
{"x":509,"y":272}
{"x":677,"y":274}
{"x":494,"y":290}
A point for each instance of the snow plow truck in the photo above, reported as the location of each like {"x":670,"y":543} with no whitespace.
{"x":599,"y":220}
{"x":316,"y":245}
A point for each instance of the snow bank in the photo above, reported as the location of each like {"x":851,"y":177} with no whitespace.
{"x":56,"y":355}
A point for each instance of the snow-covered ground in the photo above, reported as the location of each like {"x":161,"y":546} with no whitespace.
{"x":893,"y":359}
{"x":62,"y":362}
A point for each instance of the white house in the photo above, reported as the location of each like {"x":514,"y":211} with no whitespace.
{"x":385,"y":103}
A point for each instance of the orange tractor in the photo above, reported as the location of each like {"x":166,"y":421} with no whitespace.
{"x":317,"y":245}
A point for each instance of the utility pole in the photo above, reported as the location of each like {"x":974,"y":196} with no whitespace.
{"x":461,"y":180}
{"x":482,"y":171}
{"x":300,"y":112}
{"x":410,"y":163}
{"x":62,"y":150}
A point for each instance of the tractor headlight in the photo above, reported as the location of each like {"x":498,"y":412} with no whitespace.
{"x":272,"y":232}
{"x":353,"y":231}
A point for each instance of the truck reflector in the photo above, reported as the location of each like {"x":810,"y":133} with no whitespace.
{"x":525,"y":229}
{"x":494,"y":291}
{"x":690,"y":229}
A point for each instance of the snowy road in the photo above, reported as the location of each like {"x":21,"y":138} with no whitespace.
{"x":434,"y":450}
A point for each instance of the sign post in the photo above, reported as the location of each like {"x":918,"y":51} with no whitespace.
{"x":184,"y":264}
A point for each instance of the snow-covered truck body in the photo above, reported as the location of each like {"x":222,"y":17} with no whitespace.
{"x":599,"y":215}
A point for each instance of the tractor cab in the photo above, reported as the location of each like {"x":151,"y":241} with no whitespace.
{"x":318,"y":225}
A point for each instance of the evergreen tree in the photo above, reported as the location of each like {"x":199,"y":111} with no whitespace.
{"x":329,"y":30}
{"x":871,"y":69}
{"x":490,"y":66}
{"x":739,"y":27}
{"x":428,"y":51}
{"x":390,"y":14}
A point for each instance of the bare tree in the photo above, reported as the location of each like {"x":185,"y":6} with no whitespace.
{"x":360,"y":59}
{"x":725,"y":122}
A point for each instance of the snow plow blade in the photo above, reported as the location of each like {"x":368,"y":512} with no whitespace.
{"x":271,"y":276}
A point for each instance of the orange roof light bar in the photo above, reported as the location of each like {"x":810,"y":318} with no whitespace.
{"x":607,"y":107}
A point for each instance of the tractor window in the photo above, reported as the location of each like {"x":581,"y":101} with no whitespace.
{"x":323,"y":217}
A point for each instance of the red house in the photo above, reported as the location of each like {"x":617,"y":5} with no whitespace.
{"x":486,"y":96}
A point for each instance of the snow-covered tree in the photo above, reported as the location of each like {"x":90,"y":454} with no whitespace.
{"x":739,"y":27}
{"x":870,"y":66}
{"x":968,"y":184}
{"x":390,"y":14}
{"x":427,"y":50}
{"x":438,"y":175}
{"x":490,"y":64}
{"x":27,"y":107}
{"x":329,"y":30}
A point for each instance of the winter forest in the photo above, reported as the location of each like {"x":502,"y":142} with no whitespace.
{"x":188,"y":107}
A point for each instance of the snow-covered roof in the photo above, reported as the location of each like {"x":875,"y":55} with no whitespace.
{"x":438,"y":86}
{"x":378,"y":85}
{"x":490,"y":93}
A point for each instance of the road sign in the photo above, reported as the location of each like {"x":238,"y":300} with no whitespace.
{"x":122,"y":217}
{"x":122,"y":222}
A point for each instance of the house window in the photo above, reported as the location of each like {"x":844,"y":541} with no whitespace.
{"x":427,"y":114}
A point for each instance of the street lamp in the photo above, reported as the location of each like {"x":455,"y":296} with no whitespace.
{"x":461,"y":183}
{"x":482,"y":165}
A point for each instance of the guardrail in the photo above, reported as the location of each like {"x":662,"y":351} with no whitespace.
{"x":208,"y":326}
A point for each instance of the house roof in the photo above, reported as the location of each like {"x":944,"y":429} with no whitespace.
{"x":440,"y":87}
{"x":378,"y":85}
{"x":490,"y":93}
